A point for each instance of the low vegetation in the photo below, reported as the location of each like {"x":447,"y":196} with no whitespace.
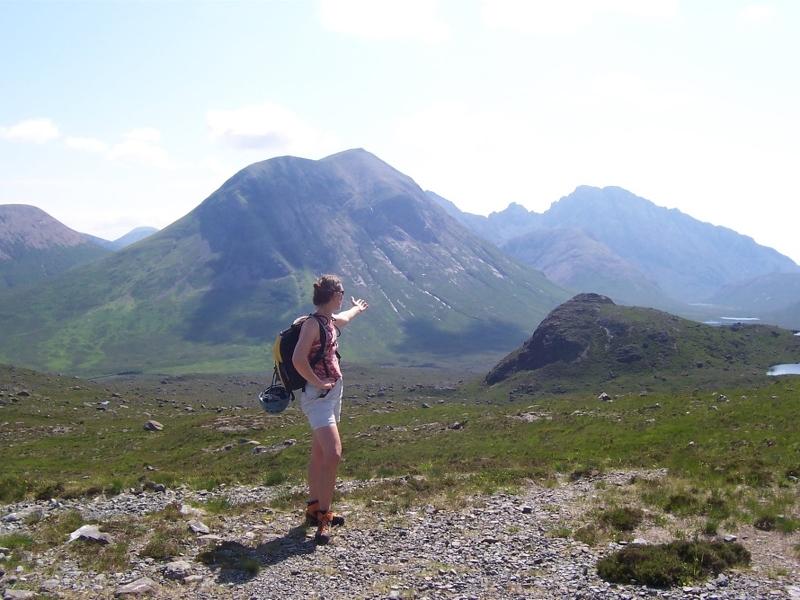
{"x":732,"y":457}
{"x":676,"y":563}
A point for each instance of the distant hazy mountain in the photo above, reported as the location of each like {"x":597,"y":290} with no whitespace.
{"x":211,"y":291}
{"x":35,"y":246}
{"x":774,"y":297}
{"x":788,"y":316}
{"x":498,"y":227}
{"x":688,"y":259}
{"x":129,"y":238}
{"x":577,"y":260}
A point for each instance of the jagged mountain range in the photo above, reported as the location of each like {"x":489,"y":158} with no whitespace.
{"x":612,"y":242}
{"x":209,"y":292}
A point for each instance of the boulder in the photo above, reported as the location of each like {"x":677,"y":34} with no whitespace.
{"x":177,"y":569}
{"x":90,"y":533}
{"x":141,"y":587}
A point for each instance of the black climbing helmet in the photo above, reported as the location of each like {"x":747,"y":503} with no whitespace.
{"x":275,"y":398}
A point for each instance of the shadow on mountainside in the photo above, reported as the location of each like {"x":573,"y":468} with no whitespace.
{"x":422,"y":335}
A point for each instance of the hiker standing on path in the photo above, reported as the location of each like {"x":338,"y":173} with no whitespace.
{"x":321,"y":400}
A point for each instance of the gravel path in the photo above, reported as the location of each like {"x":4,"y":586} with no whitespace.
{"x":499,"y":546}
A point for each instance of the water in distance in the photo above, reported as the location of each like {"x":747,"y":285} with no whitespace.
{"x":787,"y":369}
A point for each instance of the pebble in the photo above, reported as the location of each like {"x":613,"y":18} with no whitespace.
{"x":498,"y":546}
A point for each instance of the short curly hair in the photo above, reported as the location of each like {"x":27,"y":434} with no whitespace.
{"x":325,"y":287}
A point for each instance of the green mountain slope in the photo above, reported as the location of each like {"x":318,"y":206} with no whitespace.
{"x":211,"y":291}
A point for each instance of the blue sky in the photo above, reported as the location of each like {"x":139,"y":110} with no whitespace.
{"x":118,"y":114}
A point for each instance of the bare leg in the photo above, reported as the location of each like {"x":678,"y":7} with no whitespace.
{"x":326,"y":452}
{"x":314,"y":466}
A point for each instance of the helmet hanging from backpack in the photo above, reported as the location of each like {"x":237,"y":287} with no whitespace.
{"x":276,"y":397}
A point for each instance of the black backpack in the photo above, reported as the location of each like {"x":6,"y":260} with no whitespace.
{"x":283,"y":349}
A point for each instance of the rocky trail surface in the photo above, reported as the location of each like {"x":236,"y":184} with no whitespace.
{"x":498,"y":546}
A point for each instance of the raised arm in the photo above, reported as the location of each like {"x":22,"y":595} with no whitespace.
{"x":344,"y":317}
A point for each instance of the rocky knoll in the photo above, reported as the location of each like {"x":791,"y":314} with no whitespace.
{"x":552,"y":341}
{"x":591,"y":341}
{"x":498,"y":546}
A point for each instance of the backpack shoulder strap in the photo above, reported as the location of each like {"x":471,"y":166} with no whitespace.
{"x":323,"y":340}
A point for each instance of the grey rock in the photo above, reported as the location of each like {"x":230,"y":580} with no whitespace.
{"x":90,"y":533}
{"x":177,"y":569}
{"x":50,"y":585}
{"x":274,"y":448}
{"x":10,"y":594}
{"x":199,"y":527}
{"x":11,"y":518}
{"x":141,"y":587}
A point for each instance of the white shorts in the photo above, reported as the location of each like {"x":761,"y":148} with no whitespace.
{"x":321,"y":408}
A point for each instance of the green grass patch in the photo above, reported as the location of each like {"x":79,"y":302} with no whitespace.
{"x":164,"y":542}
{"x":622,"y":519}
{"x":676,"y":563}
{"x":55,"y":530}
{"x":17,"y":541}
{"x":101,"y":558}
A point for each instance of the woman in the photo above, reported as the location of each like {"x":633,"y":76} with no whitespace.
{"x":321,"y":400}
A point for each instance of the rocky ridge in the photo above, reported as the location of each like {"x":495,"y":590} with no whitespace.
{"x":498,"y":546}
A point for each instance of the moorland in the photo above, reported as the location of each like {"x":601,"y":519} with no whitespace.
{"x":420,"y":437}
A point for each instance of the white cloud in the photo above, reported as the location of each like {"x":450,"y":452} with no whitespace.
{"x":385,"y":19}
{"x":757,"y":13}
{"x":143,"y":134}
{"x":86,"y":144}
{"x":139,"y":147}
{"x":565,"y":17}
{"x":140,"y":152}
{"x":269,"y":127}
{"x":37,"y":131}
